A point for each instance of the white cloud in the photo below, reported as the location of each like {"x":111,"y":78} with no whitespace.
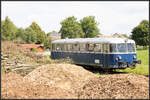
{"x":113,"y":16}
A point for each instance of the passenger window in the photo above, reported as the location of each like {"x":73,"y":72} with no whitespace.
{"x":108,"y":50}
{"x":58,"y":47}
{"x":82,"y":47}
{"x":69,"y":47}
{"x":105,"y":48}
{"x":97,"y":47}
{"x":100,"y":48}
{"x":90,"y":47}
{"x":113,"y":48}
{"x":75,"y":47}
{"x":62,"y":47}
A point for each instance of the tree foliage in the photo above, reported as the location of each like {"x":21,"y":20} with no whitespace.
{"x":38,"y":33}
{"x":8,"y":29}
{"x":71,"y":28}
{"x":48,"y":34}
{"x":47,"y":43}
{"x":30,"y":35}
{"x":89,"y":27}
{"x":20,"y":33}
{"x":141,"y":33}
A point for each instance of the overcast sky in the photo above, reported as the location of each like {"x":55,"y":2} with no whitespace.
{"x":113,"y":17}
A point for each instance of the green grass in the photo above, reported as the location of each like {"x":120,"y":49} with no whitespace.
{"x":142,"y":68}
{"x":143,"y":55}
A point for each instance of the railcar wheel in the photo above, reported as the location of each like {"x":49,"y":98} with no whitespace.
{"x":106,"y":71}
{"x":88,"y":67}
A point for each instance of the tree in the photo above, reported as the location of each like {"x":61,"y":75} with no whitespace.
{"x":47,"y":43}
{"x":141,"y":33}
{"x":70,"y":28}
{"x":30,"y":36}
{"x":89,"y":27}
{"x":20,"y":33}
{"x":2,"y":30}
{"x":8,"y":29}
{"x":48,"y":34}
{"x":39,"y":34}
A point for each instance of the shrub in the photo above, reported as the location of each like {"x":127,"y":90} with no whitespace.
{"x":34,"y":49}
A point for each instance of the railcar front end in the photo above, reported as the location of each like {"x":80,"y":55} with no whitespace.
{"x":121,"y":56}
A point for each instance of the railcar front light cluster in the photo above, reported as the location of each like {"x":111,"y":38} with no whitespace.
{"x":119,"y":57}
{"x":134,"y":57}
{"x":116,"y":59}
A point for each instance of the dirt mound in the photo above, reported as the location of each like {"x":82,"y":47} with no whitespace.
{"x":48,"y":81}
{"x":71,"y":81}
{"x":65,"y":76}
{"x":15,"y":86}
{"x":116,"y":86}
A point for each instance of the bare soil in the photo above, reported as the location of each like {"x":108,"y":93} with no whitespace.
{"x":71,"y":81}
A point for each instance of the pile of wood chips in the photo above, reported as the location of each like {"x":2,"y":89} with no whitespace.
{"x":72,"y":81}
{"x":117,"y":86}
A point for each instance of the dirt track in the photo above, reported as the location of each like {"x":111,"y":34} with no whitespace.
{"x":71,"y":81}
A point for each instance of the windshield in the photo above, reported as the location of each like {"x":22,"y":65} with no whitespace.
{"x":131,"y":47}
{"x":113,"y":48}
{"x":121,"y":47}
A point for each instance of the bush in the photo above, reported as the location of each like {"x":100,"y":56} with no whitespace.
{"x":34,"y":49}
{"x":18,"y":41}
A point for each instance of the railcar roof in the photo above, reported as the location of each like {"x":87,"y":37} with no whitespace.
{"x":94,"y":40}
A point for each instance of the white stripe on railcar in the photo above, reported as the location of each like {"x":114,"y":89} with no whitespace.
{"x":93,"y":40}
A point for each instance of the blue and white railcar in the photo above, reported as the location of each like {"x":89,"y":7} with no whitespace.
{"x":106,"y":53}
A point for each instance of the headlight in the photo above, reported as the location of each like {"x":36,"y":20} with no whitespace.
{"x":134,"y":57}
{"x":116,"y":59}
{"x":120,"y":57}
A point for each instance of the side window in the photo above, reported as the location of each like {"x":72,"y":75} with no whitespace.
{"x":75,"y":47}
{"x":97,"y":48}
{"x":100,"y":48}
{"x":82,"y":47}
{"x":106,"y":48}
{"x":113,"y":48}
{"x":69,"y":47}
{"x":90,"y":47}
{"x":131,"y":47}
{"x":62,"y":47}
{"x":58,"y":47}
